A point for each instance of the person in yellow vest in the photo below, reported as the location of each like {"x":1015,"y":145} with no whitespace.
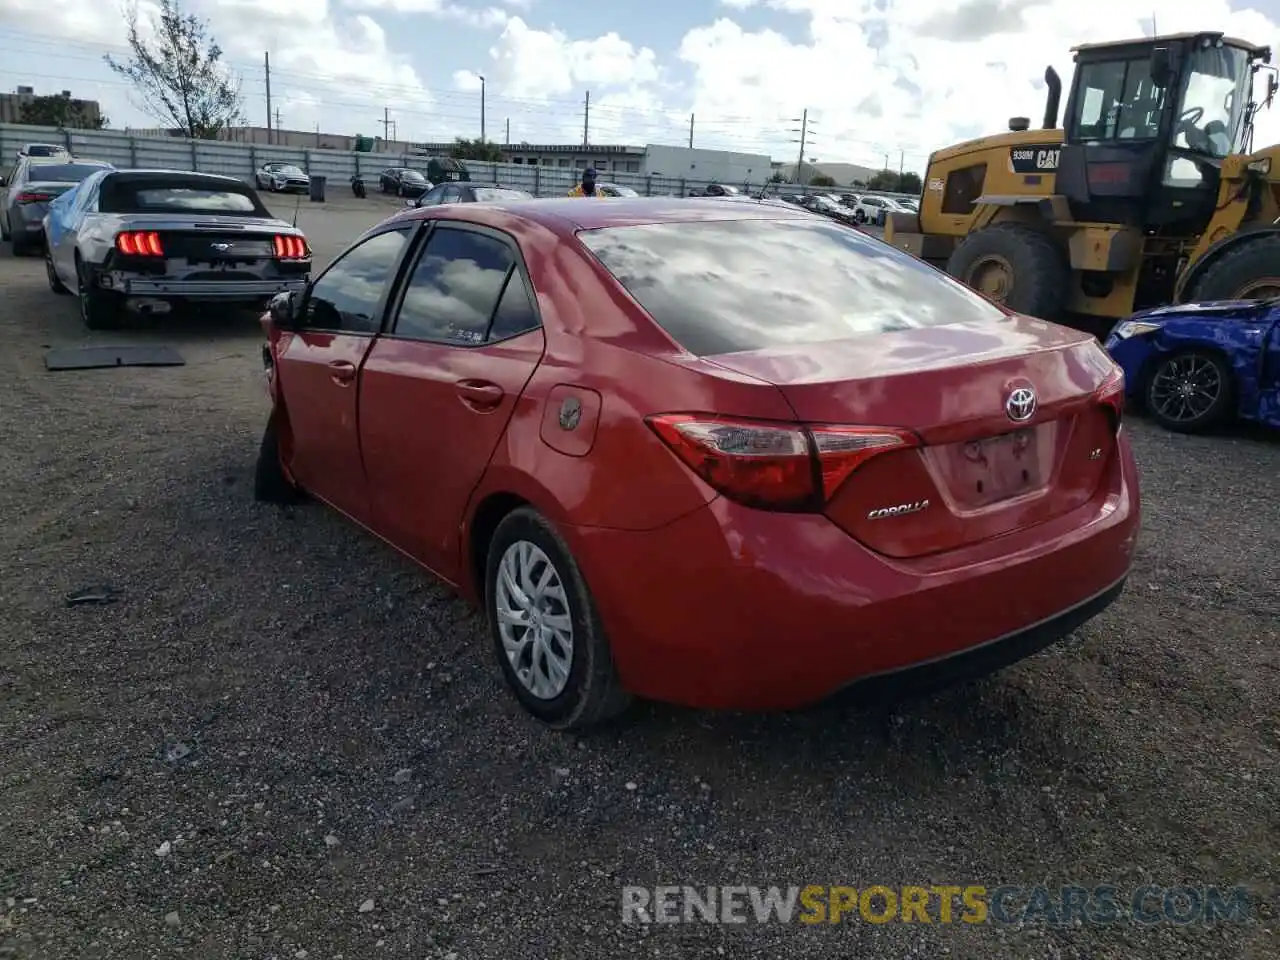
{"x":587,"y":188}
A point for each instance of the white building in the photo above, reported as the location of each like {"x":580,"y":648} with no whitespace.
{"x":707,"y":166}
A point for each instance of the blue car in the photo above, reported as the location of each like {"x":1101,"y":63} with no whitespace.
{"x":1196,"y":366}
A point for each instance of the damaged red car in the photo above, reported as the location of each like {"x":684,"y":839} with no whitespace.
{"x":722,"y":455}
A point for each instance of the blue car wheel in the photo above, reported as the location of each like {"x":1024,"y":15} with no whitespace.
{"x":1190,"y":391}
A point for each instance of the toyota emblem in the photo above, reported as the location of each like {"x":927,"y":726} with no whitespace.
{"x":1021,"y":405}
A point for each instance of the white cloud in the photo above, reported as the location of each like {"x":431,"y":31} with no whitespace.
{"x":878,"y":77}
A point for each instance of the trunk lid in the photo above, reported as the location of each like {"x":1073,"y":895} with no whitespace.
{"x":978,"y":473}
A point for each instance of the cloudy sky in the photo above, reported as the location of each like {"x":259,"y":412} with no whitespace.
{"x":881,"y":78}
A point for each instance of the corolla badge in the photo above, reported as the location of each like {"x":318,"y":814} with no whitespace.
{"x":902,"y":509}
{"x":1021,"y":404}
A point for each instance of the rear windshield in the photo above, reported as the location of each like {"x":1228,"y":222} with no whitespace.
{"x":43,"y":150}
{"x":62,"y":172}
{"x":178,"y":196}
{"x":485,"y":194}
{"x":725,"y":286}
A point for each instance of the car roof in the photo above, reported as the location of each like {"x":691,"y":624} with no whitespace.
{"x":568,"y":214}
{"x":142,"y":174}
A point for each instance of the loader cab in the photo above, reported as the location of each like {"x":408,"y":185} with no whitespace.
{"x":1148,"y":124}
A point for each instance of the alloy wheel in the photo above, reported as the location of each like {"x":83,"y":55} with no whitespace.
{"x":532,"y":612}
{"x":1185,"y":388}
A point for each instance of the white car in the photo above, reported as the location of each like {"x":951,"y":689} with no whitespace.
{"x":278,"y":177}
{"x":52,"y":150}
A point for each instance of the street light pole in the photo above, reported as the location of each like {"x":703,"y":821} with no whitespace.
{"x":482,"y":83}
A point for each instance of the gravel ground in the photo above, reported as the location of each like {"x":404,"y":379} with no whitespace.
{"x":282,"y":741}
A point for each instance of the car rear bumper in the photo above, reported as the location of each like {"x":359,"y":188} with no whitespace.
{"x":202,"y":289}
{"x":733,"y":608}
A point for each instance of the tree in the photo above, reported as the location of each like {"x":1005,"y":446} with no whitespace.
{"x":483,"y":150}
{"x":821,"y":180}
{"x":60,"y":110}
{"x":777,"y":178}
{"x":910,"y":183}
{"x":884,"y":180}
{"x":177,"y":72}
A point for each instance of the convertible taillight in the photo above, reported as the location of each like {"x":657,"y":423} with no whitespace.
{"x":139,"y":243}
{"x":290,"y":247}
{"x":31,"y":196}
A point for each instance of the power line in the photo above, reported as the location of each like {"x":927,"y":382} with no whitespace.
{"x":446,"y":107}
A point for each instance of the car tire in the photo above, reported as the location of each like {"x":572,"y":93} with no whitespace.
{"x":99,"y":309}
{"x":1035,"y":271}
{"x":270,"y":483}
{"x":56,"y":285}
{"x":592,"y":693}
{"x":1250,"y":270}
{"x":1201,"y":367}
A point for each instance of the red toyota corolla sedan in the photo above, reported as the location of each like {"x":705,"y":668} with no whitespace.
{"x":728,"y":455}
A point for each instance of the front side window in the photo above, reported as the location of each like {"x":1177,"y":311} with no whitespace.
{"x":727,"y":286}
{"x":346,"y":297}
{"x":452,"y":194}
{"x":1214,"y":98}
{"x":454,"y":288}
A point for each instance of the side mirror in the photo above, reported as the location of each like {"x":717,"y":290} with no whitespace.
{"x":411,"y":203}
{"x":1161,"y":67}
{"x":283,"y":310}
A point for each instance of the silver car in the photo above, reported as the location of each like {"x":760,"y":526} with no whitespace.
{"x":27,"y":191}
{"x":282,"y":177}
{"x":148,"y":239}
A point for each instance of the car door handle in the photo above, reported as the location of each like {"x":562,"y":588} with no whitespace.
{"x":479,"y":394}
{"x":342,"y":371}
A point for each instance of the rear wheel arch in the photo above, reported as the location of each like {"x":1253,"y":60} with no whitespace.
{"x":488,"y":513}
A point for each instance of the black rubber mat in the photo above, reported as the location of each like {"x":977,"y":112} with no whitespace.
{"x":95,"y":358}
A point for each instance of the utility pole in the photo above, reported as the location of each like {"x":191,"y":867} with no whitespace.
{"x":277,"y":124}
{"x":508,"y":140}
{"x":482,"y":86}
{"x":902,"y":162}
{"x":386,"y":122}
{"x":805,"y":135}
{"x":266,"y":62}
{"x":691,"y":131}
{"x":586,"y":120}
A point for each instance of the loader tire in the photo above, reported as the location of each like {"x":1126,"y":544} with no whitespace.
{"x":1249,"y":271}
{"x":1016,"y":266}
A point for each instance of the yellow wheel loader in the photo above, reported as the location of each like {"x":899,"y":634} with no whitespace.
{"x":1149,"y":193}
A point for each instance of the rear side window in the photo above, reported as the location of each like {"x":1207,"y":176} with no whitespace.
{"x":726,"y":286}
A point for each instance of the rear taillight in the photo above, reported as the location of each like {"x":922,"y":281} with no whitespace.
{"x":30,"y":197}
{"x":139,"y":243}
{"x":774,"y":466}
{"x":289,"y":247}
{"x":1111,"y":396}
